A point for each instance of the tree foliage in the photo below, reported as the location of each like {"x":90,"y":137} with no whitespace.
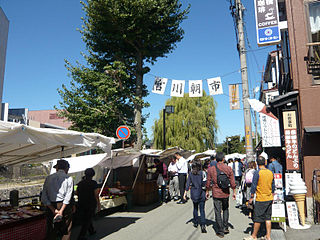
{"x":134,"y":32}
{"x":232,"y":144}
{"x":97,"y":101}
{"x":192,"y":126}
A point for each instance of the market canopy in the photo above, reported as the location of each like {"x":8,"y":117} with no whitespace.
{"x":24,"y":144}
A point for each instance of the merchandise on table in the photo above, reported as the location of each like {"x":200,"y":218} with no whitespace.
{"x":9,"y":214}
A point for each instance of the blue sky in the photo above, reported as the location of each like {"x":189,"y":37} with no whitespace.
{"x":43,"y":33}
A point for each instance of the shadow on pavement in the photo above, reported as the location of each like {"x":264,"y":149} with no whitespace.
{"x":145,"y":209}
{"x":106,"y":226}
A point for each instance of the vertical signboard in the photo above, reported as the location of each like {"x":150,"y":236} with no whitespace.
{"x":234,"y":96}
{"x":291,"y":140}
{"x":267,"y":22}
{"x":270,"y":131}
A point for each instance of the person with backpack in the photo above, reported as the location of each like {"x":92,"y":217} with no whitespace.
{"x":219,"y":180}
{"x":252,"y":166}
{"x":196,"y":183}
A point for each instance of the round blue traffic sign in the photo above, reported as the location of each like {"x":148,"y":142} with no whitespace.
{"x":123,"y":132}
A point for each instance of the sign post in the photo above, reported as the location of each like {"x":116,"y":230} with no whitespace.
{"x":123,"y":133}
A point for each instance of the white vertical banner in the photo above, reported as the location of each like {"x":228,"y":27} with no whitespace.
{"x":270,"y":131}
{"x":195,"y":88}
{"x":177,"y":88}
{"x":159,"y":85}
{"x":215,"y":86}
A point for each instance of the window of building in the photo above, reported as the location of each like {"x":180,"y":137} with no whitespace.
{"x":313,"y":13}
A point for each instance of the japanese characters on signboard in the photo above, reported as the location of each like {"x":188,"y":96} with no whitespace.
{"x":159,"y":85}
{"x":267,"y":22}
{"x":293,"y":215}
{"x":195,"y":88}
{"x":177,"y":88}
{"x":215,"y":86}
{"x":291,"y":140}
{"x":234,"y":100}
{"x":270,"y":131}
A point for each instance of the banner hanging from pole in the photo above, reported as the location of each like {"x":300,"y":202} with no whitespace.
{"x":215,"y":86}
{"x":234,"y":96}
{"x":195,"y":88}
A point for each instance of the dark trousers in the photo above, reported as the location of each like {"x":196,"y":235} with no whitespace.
{"x":86,"y":216}
{"x":200,"y":205}
{"x":221,"y":204}
{"x":61,"y":229}
{"x":182,"y":183}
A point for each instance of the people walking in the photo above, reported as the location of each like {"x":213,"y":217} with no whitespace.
{"x":263,"y":187}
{"x":196,"y":183}
{"x":213,"y":161}
{"x":173,"y":180}
{"x":248,"y":177}
{"x":88,"y":202}
{"x":222,"y":178}
{"x":57,"y":196}
{"x":162,"y":172}
{"x":182,"y":166}
{"x":275,"y":166}
{"x":237,"y":170}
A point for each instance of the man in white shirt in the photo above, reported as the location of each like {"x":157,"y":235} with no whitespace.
{"x":182,"y":166}
{"x":57,"y":195}
{"x":174,"y":181}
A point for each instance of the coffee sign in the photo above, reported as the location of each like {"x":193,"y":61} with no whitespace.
{"x":267,"y":22}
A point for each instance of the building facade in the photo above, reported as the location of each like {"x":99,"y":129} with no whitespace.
{"x":4,"y":28}
{"x":294,"y":72}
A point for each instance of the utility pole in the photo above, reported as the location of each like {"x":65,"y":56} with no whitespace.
{"x":164,"y":128}
{"x":238,"y":15}
{"x":255,"y":120}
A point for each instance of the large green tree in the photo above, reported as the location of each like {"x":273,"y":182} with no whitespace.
{"x":97,"y":101}
{"x":133,"y":32}
{"x":232,"y":144}
{"x":192,"y":126}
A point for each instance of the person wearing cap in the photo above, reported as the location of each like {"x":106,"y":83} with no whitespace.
{"x":57,"y":196}
{"x":88,"y":201}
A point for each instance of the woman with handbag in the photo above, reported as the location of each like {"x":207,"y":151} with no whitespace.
{"x":196,"y":183}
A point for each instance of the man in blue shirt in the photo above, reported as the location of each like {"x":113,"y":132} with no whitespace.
{"x":213,"y":161}
{"x":275,"y":166}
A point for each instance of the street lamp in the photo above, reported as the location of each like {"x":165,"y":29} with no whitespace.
{"x":167,"y":109}
{"x":228,"y":139}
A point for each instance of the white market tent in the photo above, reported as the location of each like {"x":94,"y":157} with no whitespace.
{"x":24,"y":144}
{"x":202,"y":155}
{"x":234,"y":155}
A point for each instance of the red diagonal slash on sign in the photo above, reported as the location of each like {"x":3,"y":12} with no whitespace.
{"x":126,"y":136}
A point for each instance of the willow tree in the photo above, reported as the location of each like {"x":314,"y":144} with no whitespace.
{"x":193,"y":124}
{"x":135,"y":33}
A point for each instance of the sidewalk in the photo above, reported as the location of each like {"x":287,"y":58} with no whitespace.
{"x":169,"y":221}
{"x":310,"y":234}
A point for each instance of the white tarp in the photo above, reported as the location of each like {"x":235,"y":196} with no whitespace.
{"x":234,"y":155}
{"x":202,"y":155}
{"x":21,"y":144}
{"x":79,"y":164}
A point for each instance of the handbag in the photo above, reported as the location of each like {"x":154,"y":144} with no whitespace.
{"x":160,"y":180}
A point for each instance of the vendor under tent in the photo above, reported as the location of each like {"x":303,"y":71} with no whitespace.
{"x":24,"y":144}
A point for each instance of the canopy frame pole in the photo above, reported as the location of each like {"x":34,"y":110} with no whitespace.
{"x":106,"y":179}
{"x":135,"y":180}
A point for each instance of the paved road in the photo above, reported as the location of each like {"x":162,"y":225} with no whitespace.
{"x":168,"y":221}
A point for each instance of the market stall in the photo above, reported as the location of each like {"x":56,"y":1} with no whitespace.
{"x":24,"y":144}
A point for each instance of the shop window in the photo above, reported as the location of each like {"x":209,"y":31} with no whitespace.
{"x":313,"y":62}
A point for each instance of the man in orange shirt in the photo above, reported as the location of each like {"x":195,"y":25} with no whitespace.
{"x":263,"y":187}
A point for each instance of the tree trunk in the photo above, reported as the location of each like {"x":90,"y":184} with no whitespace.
{"x":138,"y":107}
